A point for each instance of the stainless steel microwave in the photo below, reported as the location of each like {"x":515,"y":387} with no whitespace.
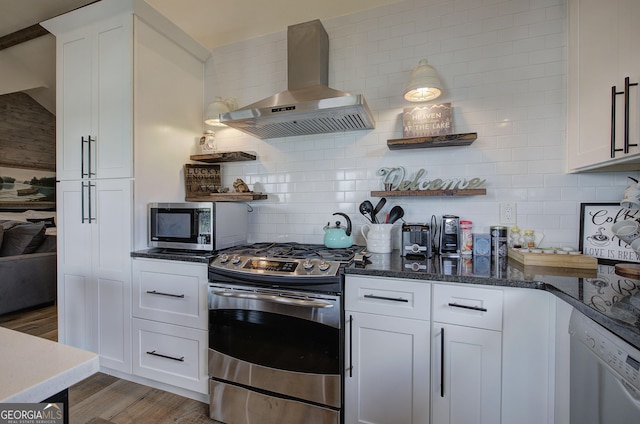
{"x":203,"y":226}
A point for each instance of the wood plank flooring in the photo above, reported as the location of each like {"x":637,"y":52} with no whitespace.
{"x":104,"y":399}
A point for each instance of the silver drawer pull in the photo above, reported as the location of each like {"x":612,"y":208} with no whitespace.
{"x":474,"y":308}
{"x":165,"y":294}
{"x":393,"y":299}
{"x":174,"y":358}
{"x":282,"y":298}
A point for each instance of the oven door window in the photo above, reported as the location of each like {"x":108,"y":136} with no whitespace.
{"x":275,"y":340}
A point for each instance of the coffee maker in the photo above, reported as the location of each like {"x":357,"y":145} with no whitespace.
{"x":450,"y":236}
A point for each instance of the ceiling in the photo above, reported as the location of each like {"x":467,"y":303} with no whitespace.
{"x":211,"y":22}
{"x":29,"y":66}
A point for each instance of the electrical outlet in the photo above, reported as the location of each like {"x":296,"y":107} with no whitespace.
{"x":507,"y":213}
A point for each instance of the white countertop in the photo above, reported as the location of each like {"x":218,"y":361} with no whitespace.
{"x":33,"y":369}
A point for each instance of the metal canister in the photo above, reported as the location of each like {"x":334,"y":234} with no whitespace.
{"x":498,"y":241}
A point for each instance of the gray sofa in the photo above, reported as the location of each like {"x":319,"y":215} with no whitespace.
{"x":27,"y":266}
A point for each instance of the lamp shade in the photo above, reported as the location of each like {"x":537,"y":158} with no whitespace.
{"x":424,"y":84}
{"x":215,"y":108}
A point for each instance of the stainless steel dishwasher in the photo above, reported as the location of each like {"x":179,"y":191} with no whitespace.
{"x":605,"y":385}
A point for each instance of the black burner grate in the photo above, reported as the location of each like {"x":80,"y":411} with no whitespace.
{"x":294,"y":250}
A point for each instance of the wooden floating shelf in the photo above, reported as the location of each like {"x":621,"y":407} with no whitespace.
{"x":430,"y":193}
{"x":223,"y":157}
{"x":432,"y":141}
{"x":227,"y":197}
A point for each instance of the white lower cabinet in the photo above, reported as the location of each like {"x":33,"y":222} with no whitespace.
{"x":466,"y":354}
{"x":387,"y":351}
{"x":170,"y":322}
{"x":465,"y":375}
{"x":423,"y":351}
{"x":94,"y":268}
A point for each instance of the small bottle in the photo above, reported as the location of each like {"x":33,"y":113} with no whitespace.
{"x":529,"y":239}
{"x":516,"y":242}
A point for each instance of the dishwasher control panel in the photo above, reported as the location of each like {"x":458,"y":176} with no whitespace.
{"x":613,"y":351}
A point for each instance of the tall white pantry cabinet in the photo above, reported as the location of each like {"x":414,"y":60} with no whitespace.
{"x":101,"y":52}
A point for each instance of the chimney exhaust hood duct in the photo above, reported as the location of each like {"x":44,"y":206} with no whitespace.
{"x":309,"y":106}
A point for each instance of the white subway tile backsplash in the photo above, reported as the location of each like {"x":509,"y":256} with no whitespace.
{"x":503,"y":66}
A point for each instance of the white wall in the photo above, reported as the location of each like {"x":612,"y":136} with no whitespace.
{"x":503,"y":64}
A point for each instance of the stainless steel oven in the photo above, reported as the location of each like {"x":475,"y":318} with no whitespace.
{"x":276,"y":334}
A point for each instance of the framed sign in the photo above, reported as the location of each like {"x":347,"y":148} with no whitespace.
{"x":596,"y":237}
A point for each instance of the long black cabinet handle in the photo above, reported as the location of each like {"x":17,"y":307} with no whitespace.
{"x":82,"y":173}
{"x":393,"y":299}
{"x":82,"y":202}
{"x":90,"y":186}
{"x":442,"y":363}
{"x":174,"y":358}
{"x":614,"y":93}
{"x":350,"y":346}
{"x":627,"y":84}
{"x":474,"y":308}
{"x":165,"y":294}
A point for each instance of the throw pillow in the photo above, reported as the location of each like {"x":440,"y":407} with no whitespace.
{"x":48,"y":222}
{"x":22,"y":239}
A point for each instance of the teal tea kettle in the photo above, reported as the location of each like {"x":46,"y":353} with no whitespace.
{"x":338,"y":237}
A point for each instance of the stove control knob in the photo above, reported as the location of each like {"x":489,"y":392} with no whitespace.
{"x":224,"y":258}
{"x":235,"y":259}
{"x":324,"y":265}
{"x":308,"y":265}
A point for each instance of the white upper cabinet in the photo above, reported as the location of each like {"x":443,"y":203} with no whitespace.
{"x":603,"y":122}
{"x":94,"y":101}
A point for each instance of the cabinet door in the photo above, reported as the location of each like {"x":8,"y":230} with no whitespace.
{"x":94,"y":268}
{"x":387,"y":376}
{"x":73,"y":103}
{"x":75,"y":289}
{"x":111,"y":270}
{"x":94,"y":69}
{"x":466,"y":375}
{"x":602,"y":52}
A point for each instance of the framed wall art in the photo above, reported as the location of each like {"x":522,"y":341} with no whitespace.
{"x":597,"y":238}
{"x":24,"y":189}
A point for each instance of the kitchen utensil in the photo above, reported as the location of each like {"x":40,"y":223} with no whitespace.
{"x":338,"y":237}
{"x":366,"y":208}
{"x":395,"y":214}
{"x":378,"y":208}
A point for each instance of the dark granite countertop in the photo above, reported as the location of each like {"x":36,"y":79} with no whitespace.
{"x":174,"y":255}
{"x":601,"y":294}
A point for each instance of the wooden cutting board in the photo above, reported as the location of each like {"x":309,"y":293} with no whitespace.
{"x":554,"y":260}
{"x":628,"y":270}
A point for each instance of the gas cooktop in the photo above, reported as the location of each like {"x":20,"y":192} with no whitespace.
{"x":289,"y":259}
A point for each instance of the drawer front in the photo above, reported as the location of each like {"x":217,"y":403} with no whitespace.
{"x":172,"y":293}
{"x":388,"y":296}
{"x":469,"y":306}
{"x":170,"y":354}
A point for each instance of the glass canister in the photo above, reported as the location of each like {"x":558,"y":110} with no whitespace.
{"x":466,"y":236}
{"x":529,"y":239}
{"x":516,"y":241}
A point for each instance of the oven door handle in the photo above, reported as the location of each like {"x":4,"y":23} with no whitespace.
{"x":307,"y":303}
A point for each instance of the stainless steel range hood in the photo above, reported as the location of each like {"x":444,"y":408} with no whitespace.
{"x":309,"y":106}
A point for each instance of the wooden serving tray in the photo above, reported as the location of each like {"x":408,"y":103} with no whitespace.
{"x":554,"y":260}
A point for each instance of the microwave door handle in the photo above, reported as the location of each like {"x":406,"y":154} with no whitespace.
{"x":306,"y":303}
